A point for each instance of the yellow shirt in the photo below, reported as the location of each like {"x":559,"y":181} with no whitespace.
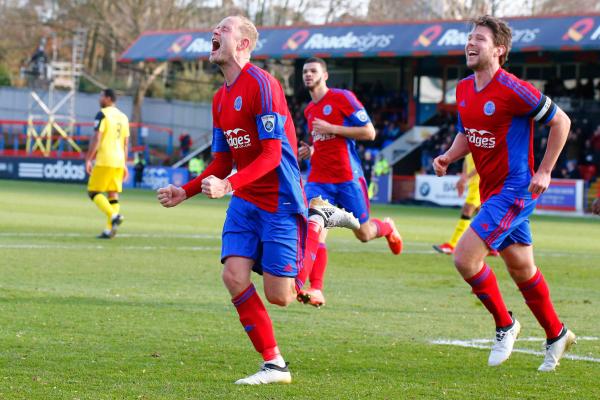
{"x":113,"y":126}
{"x":470,"y":164}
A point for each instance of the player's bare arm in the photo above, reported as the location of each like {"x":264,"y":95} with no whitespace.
{"x":462,"y":181}
{"x":91,"y":154}
{"x":559,"y":131}
{"x":126,"y":152}
{"x":366,"y":132}
{"x":458,"y":150}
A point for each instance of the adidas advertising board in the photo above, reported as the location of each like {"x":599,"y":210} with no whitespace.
{"x":43,"y":169}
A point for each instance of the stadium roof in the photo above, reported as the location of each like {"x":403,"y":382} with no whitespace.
{"x":549,"y":33}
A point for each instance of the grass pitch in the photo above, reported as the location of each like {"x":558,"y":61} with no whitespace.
{"x":145,"y":316}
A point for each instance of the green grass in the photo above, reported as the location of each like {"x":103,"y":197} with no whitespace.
{"x":145,"y":316}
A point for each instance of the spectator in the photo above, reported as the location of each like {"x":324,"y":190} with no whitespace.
{"x":196,"y":166}
{"x":139,"y":163}
{"x":185,"y":144}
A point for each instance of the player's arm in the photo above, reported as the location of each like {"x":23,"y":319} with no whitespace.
{"x":461,"y":183}
{"x":365,"y":132}
{"x":269,"y":110}
{"x":559,"y":132}
{"x":126,"y":153}
{"x":458,"y":150}
{"x":94,"y":141}
{"x":218,"y":168}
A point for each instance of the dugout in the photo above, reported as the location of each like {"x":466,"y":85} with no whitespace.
{"x":421,"y":60}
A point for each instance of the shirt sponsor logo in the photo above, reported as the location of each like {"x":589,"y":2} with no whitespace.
{"x":321,"y":137}
{"x":268,"y":122}
{"x":327,"y":109}
{"x":236,"y":140}
{"x":237,"y":104}
{"x":480,"y":138}
{"x":489,"y":108}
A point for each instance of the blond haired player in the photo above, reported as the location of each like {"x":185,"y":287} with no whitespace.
{"x":108,"y":147}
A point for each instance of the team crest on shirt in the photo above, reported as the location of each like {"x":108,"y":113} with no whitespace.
{"x":362,"y":116}
{"x":268,"y":122}
{"x":327,"y":109}
{"x":489,"y":108}
{"x":237,"y":104}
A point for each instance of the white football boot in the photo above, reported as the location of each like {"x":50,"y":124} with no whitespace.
{"x":269,"y":373}
{"x":503,"y":344}
{"x":333,"y":216}
{"x":556,"y":350}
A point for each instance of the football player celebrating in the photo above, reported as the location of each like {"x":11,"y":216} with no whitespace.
{"x":265,"y":228}
{"x":335,"y":120}
{"x":496,"y":113}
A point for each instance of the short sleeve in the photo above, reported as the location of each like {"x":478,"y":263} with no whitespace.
{"x":459,"y":124}
{"x":99,"y":121}
{"x":353,"y":109}
{"x":269,"y":107}
{"x":527,"y":100}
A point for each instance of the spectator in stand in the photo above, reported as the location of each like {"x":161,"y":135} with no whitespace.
{"x":185,"y":144}
{"x":196,"y":166}
{"x":139,"y":163}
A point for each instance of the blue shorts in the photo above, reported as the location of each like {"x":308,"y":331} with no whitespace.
{"x":275,"y":241}
{"x":504,"y":220}
{"x":351,"y":195}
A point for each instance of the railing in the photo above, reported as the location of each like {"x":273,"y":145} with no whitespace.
{"x":13,"y":140}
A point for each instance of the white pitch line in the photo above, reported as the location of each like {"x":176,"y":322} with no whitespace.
{"x":422,"y":248}
{"x":100,"y":247}
{"x":34,"y":246}
{"x":485,"y":345}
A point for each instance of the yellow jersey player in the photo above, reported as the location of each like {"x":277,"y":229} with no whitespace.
{"x":108,"y":147}
{"x":470,"y":178}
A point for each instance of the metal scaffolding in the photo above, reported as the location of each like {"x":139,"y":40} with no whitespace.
{"x":51,"y":116}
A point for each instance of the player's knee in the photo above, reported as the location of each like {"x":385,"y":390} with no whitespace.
{"x":91,"y":195}
{"x":278,"y":298}
{"x":362,"y":235}
{"x":233,"y":282}
{"x":460,"y":262}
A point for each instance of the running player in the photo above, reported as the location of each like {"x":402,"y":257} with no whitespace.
{"x":496,"y":114}
{"x":108,"y":147}
{"x":470,"y":179}
{"x":335,"y":120}
{"x":265,"y":228}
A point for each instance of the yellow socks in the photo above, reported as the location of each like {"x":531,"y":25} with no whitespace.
{"x":461,"y":227}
